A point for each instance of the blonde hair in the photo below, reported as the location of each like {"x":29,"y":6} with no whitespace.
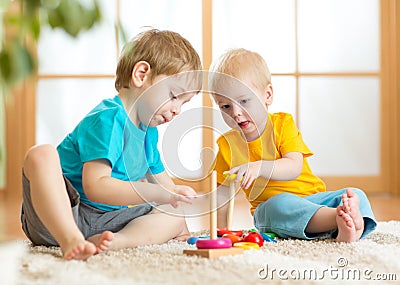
{"x":166,"y":52}
{"x":242,"y":64}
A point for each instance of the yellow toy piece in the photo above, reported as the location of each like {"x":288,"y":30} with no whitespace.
{"x":247,"y":245}
{"x":230,"y":177}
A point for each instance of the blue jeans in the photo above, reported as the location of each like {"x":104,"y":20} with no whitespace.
{"x":288,"y":215}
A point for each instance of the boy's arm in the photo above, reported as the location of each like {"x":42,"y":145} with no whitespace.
{"x":161,"y":178}
{"x":286,"y":168}
{"x":165,"y":181}
{"x":100,"y":187}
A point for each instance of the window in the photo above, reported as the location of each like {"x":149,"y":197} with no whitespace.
{"x":324,"y":57}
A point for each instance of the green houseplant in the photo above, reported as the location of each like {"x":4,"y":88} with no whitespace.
{"x":20,"y":23}
{"x":16,"y":60}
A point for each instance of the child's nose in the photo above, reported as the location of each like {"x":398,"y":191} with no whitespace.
{"x":176,"y":109}
{"x":236,"y":111}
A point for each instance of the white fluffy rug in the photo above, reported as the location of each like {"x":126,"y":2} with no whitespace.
{"x":289,"y":261}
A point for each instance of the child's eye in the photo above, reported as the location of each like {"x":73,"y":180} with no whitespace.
{"x":226,"y":106}
{"x":243,"y":101}
{"x":173,"y":97}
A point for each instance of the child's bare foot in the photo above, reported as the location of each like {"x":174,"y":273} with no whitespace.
{"x":81,"y":250}
{"x":351,"y":204}
{"x":102,"y":241}
{"x":346,"y":227}
{"x":354,"y":204}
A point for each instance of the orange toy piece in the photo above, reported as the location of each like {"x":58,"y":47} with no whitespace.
{"x":233,"y":238}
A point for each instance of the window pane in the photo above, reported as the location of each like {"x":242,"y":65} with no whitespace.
{"x":92,"y":52}
{"x":180,"y":141}
{"x":339,"y":119}
{"x":263,"y":26}
{"x":338,"y":35}
{"x":185,"y":18}
{"x":181,"y":16}
{"x":62,"y":103}
{"x":219,"y":126}
{"x":284,"y":88}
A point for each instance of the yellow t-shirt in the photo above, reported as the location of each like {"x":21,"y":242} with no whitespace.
{"x":280,"y":136}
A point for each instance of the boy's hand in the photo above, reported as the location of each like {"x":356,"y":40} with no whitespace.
{"x":182,"y":193}
{"x":247,"y":173}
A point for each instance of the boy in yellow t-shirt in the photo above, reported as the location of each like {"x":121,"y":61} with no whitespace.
{"x":267,"y":153}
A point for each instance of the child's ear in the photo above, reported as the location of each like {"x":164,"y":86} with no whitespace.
{"x":269,"y":94}
{"x":140,"y":72}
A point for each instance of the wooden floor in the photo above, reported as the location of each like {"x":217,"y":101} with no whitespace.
{"x":385,"y":208}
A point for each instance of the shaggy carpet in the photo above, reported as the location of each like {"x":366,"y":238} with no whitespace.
{"x":288,"y":261}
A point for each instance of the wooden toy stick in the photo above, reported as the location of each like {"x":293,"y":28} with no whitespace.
{"x":231,"y":195}
{"x":213,"y":252}
{"x":213,"y":206}
{"x":231,"y":204}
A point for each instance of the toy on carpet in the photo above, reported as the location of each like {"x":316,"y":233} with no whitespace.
{"x":269,"y":237}
{"x":223,"y":231}
{"x":213,"y":247}
{"x":255,"y":236}
{"x":225,"y":241}
{"x":247,"y":245}
{"x":192,"y":240}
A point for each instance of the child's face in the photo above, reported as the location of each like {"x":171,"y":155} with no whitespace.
{"x":163,"y":99}
{"x":244,"y":108}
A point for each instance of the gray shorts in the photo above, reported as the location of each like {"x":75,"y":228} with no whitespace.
{"x":90,"y":220}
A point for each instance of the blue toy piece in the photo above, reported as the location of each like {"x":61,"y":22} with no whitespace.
{"x":271,"y":235}
{"x":267,"y":237}
{"x":192,"y":240}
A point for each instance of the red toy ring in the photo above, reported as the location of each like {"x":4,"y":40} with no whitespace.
{"x":222,"y":231}
{"x":213,"y":243}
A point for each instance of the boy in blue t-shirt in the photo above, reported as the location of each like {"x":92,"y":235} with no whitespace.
{"x":87,"y":195}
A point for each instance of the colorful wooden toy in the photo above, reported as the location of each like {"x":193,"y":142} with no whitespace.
{"x":221,"y":232}
{"x":231,"y":205}
{"x":192,"y":240}
{"x":233,"y":238}
{"x":267,"y":237}
{"x":213,"y":243}
{"x":254,"y":237}
{"x":213,"y":247}
{"x":246,"y":245}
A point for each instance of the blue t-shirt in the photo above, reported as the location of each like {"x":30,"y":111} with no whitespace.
{"x":108,"y":133}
